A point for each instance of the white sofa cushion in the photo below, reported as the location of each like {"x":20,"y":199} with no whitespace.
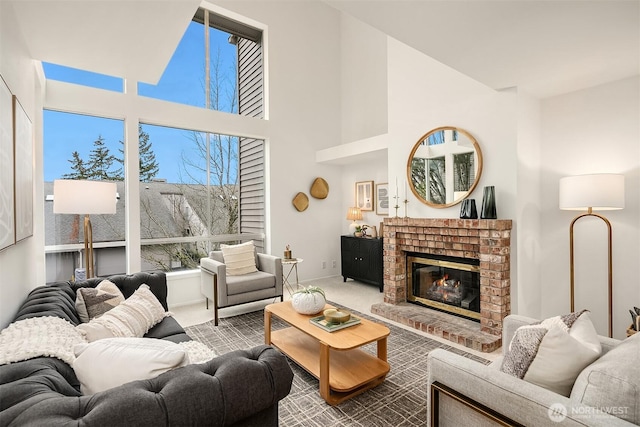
{"x":132,"y":318}
{"x":552,"y":353}
{"x":111,"y":362}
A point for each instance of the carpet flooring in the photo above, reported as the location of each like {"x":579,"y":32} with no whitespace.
{"x":400,"y":401}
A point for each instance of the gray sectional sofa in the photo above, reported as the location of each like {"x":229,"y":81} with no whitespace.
{"x":240,"y":388}
{"x":463,"y":392}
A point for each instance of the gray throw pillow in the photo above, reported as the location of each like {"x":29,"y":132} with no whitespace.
{"x":94,"y":302}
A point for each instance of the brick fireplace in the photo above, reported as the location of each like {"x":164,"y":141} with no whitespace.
{"x":488,"y":241}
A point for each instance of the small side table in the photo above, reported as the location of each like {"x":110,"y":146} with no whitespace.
{"x":293,"y":266}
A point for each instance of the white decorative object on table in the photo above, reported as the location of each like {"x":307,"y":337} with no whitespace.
{"x":309,"y":300}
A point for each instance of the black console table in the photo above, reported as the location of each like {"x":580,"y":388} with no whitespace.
{"x":361,"y":259}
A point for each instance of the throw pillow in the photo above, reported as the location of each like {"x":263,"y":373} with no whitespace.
{"x":132,"y":318}
{"x":552,"y":353}
{"x":109,"y":363}
{"x":94,"y":302}
{"x":239,"y":259}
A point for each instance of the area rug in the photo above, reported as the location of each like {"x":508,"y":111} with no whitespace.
{"x":400,"y":401}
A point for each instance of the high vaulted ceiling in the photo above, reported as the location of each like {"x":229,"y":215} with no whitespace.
{"x":546,"y":47}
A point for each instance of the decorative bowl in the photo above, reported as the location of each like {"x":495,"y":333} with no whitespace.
{"x":332,"y":315}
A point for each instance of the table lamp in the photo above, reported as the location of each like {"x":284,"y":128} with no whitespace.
{"x":592,"y":192}
{"x":354,"y":214}
{"x":85,"y":197}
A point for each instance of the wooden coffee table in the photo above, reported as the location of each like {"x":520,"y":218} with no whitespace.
{"x":344,"y":370}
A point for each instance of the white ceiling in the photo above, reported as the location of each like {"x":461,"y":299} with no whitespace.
{"x":124,"y":38}
{"x":546,"y":47}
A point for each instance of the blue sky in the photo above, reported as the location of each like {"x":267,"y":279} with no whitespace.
{"x":182,"y":82}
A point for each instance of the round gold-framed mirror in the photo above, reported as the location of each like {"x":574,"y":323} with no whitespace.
{"x":444,"y":166}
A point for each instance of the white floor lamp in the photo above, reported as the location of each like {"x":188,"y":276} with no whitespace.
{"x":592,"y":192}
{"x":85,"y":197}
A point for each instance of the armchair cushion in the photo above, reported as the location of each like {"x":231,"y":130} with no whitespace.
{"x":240,"y":259}
{"x":250,"y":282}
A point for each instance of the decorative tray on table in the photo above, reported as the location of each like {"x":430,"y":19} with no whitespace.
{"x":334,"y":320}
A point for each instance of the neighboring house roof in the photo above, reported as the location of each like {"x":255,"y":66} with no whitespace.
{"x":166,"y":210}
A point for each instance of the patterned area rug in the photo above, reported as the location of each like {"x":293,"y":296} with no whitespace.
{"x":400,"y":401}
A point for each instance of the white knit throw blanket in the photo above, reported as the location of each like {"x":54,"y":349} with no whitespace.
{"x":55,"y":337}
{"x":39,"y":336}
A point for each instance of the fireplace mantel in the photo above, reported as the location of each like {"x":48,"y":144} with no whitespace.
{"x":488,"y":240}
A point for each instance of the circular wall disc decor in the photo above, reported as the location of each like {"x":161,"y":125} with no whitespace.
{"x":300,"y":202}
{"x":319,"y":188}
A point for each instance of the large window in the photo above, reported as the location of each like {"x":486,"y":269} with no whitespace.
{"x":197,"y":189}
{"x":81,"y":77}
{"x":195,"y":195}
{"x":217,"y":65}
{"x":82,"y":147}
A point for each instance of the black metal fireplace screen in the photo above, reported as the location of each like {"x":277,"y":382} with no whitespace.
{"x":448,"y":284}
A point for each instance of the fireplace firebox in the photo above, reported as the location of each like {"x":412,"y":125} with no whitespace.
{"x":445,"y":283}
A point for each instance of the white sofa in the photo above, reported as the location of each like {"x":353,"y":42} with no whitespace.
{"x":463,"y":392}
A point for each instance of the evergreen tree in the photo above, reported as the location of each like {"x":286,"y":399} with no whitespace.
{"x":78,"y":167}
{"x":100,"y":161}
{"x":148,"y":165}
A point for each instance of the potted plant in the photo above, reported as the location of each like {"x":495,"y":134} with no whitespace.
{"x":309,"y":300}
{"x":361,"y":230}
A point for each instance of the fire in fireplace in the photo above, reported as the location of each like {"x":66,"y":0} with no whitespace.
{"x":445,"y":283}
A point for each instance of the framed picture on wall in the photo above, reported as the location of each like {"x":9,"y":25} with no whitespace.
{"x":23,"y":171}
{"x":364,"y":195}
{"x":382,"y":199}
{"x":7,"y":228}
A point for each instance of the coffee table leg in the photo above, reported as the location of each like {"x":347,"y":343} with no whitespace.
{"x":382,"y":349}
{"x":267,"y":327}
{"x":325,"y":390}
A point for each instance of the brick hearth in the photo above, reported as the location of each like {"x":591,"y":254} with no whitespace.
{"x":489,"y":241}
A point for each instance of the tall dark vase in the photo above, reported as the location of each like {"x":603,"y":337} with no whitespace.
{"x":468,"y":209}
{"x":488,"y":210}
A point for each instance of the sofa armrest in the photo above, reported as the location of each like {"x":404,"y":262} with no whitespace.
{"x":515,"y":399}
{"x":208,"y":268}
{"x":509,"y":326}
{"x":273,"y":265}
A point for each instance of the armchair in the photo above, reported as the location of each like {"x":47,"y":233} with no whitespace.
{"x":227,"y":291}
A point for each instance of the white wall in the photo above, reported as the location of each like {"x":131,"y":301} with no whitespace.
{"x":596,"y":130}
{"x":22,"y":265}
{"x":527,"y":295}
{"x":363,"y":93}
{"x":425,"y":94}
{"x":305,"y":115}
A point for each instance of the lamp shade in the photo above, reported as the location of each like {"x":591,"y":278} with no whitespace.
{"x":354,"y":214}
{"x":71,"y":196}
{"x":598,"y":192}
